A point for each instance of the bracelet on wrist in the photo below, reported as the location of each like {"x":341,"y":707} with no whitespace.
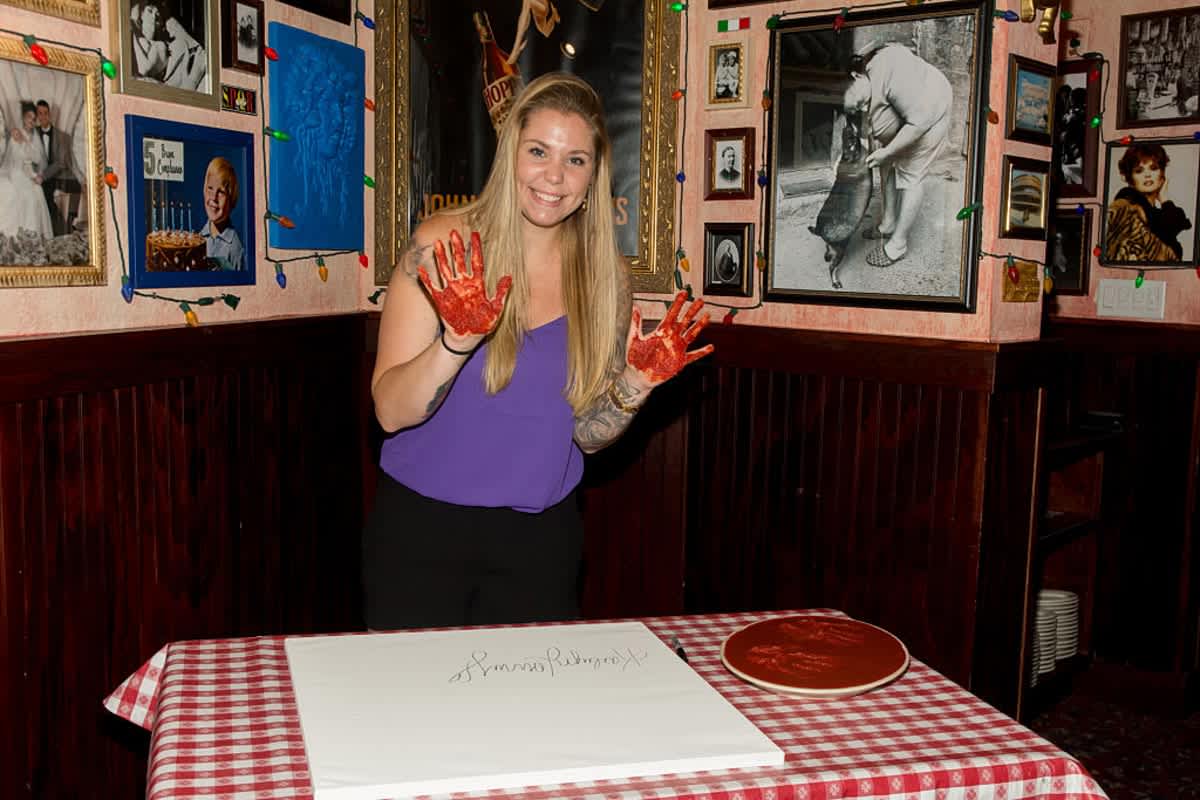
{"x":442,"y":337}
{"x":620,"y":402}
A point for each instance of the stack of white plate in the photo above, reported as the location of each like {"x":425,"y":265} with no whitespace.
{"x":1064,"y":606}
{"x":1045,"y":640}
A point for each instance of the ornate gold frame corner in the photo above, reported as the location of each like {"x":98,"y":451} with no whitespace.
{"x":85,"y":11}
{"x":653,"y":266}
{"x":94,"y":273}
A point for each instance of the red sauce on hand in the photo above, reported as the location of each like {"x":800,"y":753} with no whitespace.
{"x":662,"y":354}
{"x":463,"y":303}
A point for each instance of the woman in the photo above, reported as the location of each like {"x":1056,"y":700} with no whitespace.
{"x":163,"y":51}
{"x":499,"y":374}
{"x":22,"y":202}
{"x":1142,"y":225}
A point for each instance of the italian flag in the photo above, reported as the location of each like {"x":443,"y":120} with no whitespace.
{"x":739,"y":24}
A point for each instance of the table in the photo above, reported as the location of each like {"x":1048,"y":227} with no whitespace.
{"x":224,"y":724}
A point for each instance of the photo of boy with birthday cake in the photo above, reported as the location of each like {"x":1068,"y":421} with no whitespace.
{"x":173,"y":247}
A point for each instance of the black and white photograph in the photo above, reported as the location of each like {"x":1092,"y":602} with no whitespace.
{"x":860,"y":215}
{"x":1159,"y":79}
{"x":729,"y":164}
{"x":1024,"y":198}
{"x":1076,"y":140}
{"x":169,"y":50}
{"x":241,"y":36}
{"x":1151,"y":203}
{"x":727,"y":75}
{"x":51,"y":231}
{"x":728,"y":258}
{"x":1068,"y":250}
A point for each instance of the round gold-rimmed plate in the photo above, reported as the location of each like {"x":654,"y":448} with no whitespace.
{"x":813,"y":656}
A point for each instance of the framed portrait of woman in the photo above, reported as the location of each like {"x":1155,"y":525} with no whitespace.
{"x":728,"y":265}
{"x":169,"y":50}
{"x":1151,"y":203}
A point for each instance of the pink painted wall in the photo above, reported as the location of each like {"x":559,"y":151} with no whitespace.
{"x":49,"y":311}
{"x":1098,"y":24}
{"x":992,"y":321}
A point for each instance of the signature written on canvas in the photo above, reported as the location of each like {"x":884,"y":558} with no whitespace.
{"x":552,"y":663}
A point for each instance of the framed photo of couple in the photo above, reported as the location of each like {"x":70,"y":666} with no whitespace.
{"x":51,"y":169}
{"x":1076,"y":140}
{"x":242,"y":35}
{"x":169,"y":50}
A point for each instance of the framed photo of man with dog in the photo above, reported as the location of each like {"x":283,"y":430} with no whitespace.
{"x":858,"y":215}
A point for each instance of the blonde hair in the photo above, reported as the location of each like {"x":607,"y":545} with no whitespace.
{"x":595,"y":286}
{"x":225,"y":173}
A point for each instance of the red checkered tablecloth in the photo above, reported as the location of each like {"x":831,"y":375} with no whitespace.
{"x":224,"y":725}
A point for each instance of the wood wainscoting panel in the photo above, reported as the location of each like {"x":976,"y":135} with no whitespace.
{"x":156,"y":486}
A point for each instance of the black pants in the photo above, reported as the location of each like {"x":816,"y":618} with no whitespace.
{"x":431,"y":564}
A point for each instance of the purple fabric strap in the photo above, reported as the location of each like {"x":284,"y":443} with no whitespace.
{"x":513,"y":449}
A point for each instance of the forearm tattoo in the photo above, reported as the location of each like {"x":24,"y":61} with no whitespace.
{"x":439,"y":395}
{"x":605,"y":421}
{"x":414,"y":256}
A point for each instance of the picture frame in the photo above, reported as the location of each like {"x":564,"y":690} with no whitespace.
{"x":729,"y":259}
{"x":1146,"y":221}
{"x":1156,"y":85}
{"x":1030,"y":107}
{"x":1069,"y":251}
{"x":634,"y":67}
{"x":1024,"y":198}
{"x":52,"y":232}
{"x":336,"y":10}
{"x":824,"y":213}
{"x":85,"y":11}
{"x":148,"y":46}
{"x":1076,"y":153}
{"x":242,"y":32}
{"x":728,"y":74}
{"x":192,"y":214}
{"x":729,"y":164}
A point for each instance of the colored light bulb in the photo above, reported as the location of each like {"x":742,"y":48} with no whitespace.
{"x":39,"y":54}
{"x":189,"y":316}
{"x":365,"y":20}
{"x":280,"y":277}
{"x":368,"y":181}
{"x":323,"y":272}
{"x":677,"y":7}
{"x":110,"y":178}
{"x":126,"y":289}
{"x":369,"y":104}
{"x":1096,"y":251}
{"x":271,"y":53}
{"x":108,"y":68}
{"x":279,"y":136}
{"x":1139,"y":280}
{"x":1079,"y":209}
{"x":677,"y":94}
{"x":362,"y":260}
{"x":772,"y":22}
{"x":729,"y":315}
{"x":1126,"y":139}
{"x":680,"y":177}
{"x":685,"y":265}
{"x":993,"y":117}
{"x":1095,"y":121}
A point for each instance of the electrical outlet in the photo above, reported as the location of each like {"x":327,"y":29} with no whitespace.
{"x":1120,"y":298}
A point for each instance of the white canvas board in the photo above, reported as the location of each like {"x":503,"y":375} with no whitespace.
{"x":401,"y":714}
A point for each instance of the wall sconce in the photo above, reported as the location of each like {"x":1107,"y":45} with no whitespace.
{"x":1045,"y":12}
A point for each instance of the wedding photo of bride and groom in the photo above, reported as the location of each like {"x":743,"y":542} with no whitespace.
{"x":43,"y":212}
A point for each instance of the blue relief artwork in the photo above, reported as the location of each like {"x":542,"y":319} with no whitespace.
{"x":316,"y":179}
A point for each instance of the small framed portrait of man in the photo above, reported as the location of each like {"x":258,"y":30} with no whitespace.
{"x":729,"y":164}
{"x":241,"y":35}
{"x":728,"y":264}
{"x":727,"y":75}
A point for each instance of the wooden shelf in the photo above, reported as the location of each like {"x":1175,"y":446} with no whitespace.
{"x":1062,"y":450}
{"x":1063,"y":527}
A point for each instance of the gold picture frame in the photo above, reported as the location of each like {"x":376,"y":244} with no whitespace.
{"x":652,"y":267}
{"x":85,"y":11}
{"x":728,"y":74}
{"x":207,"y":93}
{"x":78,"y":110}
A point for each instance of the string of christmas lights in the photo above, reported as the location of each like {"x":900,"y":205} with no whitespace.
{"x":111,"y":181}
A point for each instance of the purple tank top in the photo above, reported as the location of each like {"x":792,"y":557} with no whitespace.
{"x":514,"y":449}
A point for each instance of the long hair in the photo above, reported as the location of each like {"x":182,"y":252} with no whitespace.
{"x":595,"y":289}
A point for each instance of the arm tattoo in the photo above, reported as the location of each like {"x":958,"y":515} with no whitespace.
{"x":414,"y":256}
{"x":604,"y":421}
{"x":438,"y":396}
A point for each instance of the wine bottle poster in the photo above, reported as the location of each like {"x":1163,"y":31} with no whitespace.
{"x":468,"y":61}
{"x":316,"y":167}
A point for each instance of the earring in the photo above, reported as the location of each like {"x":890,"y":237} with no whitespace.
{"x":584,"y":206}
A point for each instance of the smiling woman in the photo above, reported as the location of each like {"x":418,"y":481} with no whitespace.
{"x":498,"y":369}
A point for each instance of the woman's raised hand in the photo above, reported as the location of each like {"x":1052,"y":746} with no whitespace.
{"x":462,"y":300}
{"x":661,"y":355}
